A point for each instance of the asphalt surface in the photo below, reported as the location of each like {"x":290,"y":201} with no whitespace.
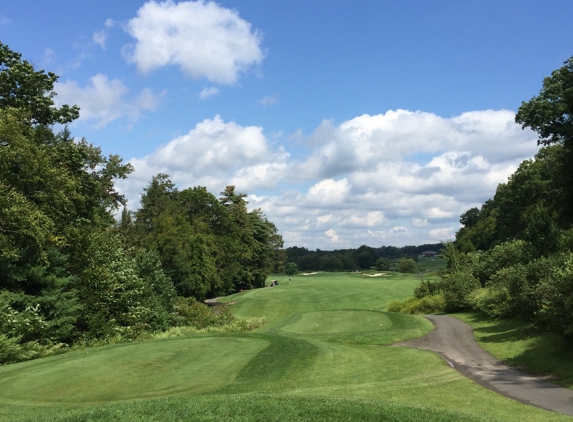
{"x":454,"y":341}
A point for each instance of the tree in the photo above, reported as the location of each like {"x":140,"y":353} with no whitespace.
{"x":470,"y":217}
{"x":56,"y":193}
{"x":382,"y":264}
{"x":408,"y":266}
{"x":550,"y":113}
{"x":24,"y":88}
{"x":291,"y":268}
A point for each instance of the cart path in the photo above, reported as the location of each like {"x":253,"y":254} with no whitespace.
{"x":454,"y":341}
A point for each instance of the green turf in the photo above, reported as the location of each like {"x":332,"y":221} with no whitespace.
{"x":129,"y":371}
{"x":323,"y":355}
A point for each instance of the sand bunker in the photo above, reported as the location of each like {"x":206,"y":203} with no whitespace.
{"x":375,"y":275}
{"x":308,"y":273}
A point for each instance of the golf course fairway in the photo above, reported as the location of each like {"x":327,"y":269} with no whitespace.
{"x":320,"y":356}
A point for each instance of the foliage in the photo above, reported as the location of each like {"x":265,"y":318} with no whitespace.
{"x":22,"y":87}
{"x":363,"y":257}
{"x":550,"y":113}
{"x":408,"y":266}
{"x":427,"y":288}
{"x":425,"y":305}
{"x":189,"y":312}
{"x":383,"y":264}
{"x":291,"y":268}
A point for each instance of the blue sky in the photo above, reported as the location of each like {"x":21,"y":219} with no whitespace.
{"x":347,"y":123}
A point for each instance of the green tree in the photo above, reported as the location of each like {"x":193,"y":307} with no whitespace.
{"x":55,"y":193}
{"x":383,"y":264}
{"x":550,"y":113}
{"x":291,"y":268}
{"x":24,"y":88}
{"x":408,"y":266}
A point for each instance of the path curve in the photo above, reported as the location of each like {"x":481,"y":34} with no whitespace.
{"x":454,"y":341}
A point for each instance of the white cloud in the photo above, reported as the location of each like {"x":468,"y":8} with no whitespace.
{"x":331,"y":234}
{"x":208,"y":92}
{"x":100,"y":37}
{"x":4,"y":21}
{"x":267,"y":101}
{"x":103,"y":100}
{"x":213,"y":154}
{"x":392,"y":179}
{"x":204,"y":39}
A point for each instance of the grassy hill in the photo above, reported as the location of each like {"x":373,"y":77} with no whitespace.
{"x":321,"y":355}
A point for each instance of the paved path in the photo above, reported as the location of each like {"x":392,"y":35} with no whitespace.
{"x":454,"y":340}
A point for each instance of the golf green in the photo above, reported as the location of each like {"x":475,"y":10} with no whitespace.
{"x":130,"y":371}
{"x":338,"y":322}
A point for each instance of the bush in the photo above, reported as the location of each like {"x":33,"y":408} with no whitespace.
{"x":427,"y":288}
{"x":425,"y":305}
{"x":189,"y":312}
{"x":494,"y":301}
{"x":457,"y":285}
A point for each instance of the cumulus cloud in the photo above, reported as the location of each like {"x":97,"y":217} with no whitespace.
{"x":214,"y":154}
{"x":396,"y":178}
{"x":204,"y":39}
{"x":208,"y":92}
{"x":103,"y":100}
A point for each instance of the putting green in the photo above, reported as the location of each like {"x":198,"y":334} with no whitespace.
{"x":130,"y":371}
{"x":338,"y":322}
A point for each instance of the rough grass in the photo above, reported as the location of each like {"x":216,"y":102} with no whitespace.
{"x":290,"y":369}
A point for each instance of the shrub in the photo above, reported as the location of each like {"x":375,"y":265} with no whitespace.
{"x":427,"y":288}
{"x":494,"y":301}
{"x":397,"y":305}
{"x":189,"y":312}
{"x":456,"y":286}
{"x":425,"y":305}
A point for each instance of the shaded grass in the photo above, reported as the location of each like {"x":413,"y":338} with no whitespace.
{"x":520,"y":344}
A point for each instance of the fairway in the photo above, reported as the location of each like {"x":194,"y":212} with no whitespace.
{"x":321,"y":355}
{"x":338,"y":322}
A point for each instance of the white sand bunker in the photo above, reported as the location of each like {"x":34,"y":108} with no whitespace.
{"x":308,"y":273}
{"x":375,"y":275}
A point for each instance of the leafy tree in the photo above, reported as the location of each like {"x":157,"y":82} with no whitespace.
{"x":408,"y":266}
{"x":383,"y":264}
{"x":24,"y":88}
{"x":291,"y":268}
{"x":550,"y":113}
{"x":470,"y":217}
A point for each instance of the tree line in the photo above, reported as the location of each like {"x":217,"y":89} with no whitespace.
{"x":69,"y":271}
{"x":513,"y":256}
{"x":362,"y":258}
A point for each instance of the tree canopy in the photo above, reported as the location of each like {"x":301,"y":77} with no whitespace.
{"x":24,"y":88}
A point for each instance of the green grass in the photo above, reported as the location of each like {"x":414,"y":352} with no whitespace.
{"x":520,"y":344}
{"x":431,"y":264}
{"x":321,"y":356}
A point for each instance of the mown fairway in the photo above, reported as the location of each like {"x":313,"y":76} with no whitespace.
{"x":321,"y":356}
